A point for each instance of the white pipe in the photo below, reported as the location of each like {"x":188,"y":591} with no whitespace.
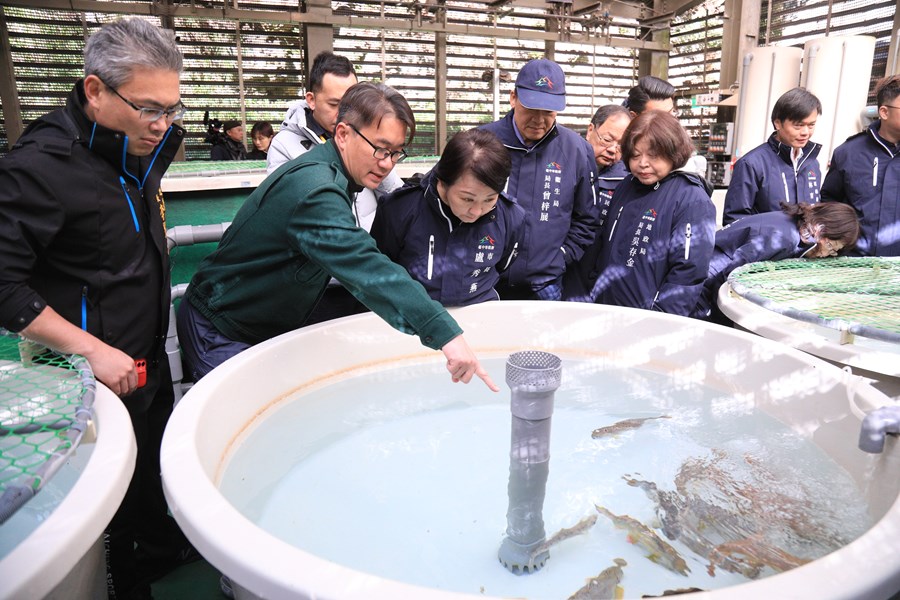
{"x":893,"y":68}
{"x":767,"y":117}
{"x":837,"y":102}
{"x":807,"y":68}
{"x":742,"y":99}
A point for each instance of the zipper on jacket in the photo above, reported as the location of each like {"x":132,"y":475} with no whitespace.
{"x":787,"y":195}
{"x":134,"y":218}
{"x":615,"y":222}
{"x":687,"y":241}
{"x":84,"y":308}
{"x":512,"y":255}
{"x":875,"y":173}
{"x":430,"y":256}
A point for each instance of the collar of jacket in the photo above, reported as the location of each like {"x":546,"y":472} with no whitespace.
{"x":690,"y":176}
{"x":509,"y":138}
{"x":111,"y":144}
{"x":874,"y":129}
{"x":314,"y":126}
{"x":810,"y":150}
{"x":614,"y":172}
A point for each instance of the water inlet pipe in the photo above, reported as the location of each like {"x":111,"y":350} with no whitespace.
{"x":742,"y":105}
{"x":533,"y":377}
{"x":876,"y":426}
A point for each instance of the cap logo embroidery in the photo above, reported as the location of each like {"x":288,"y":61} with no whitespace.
{"x":544,"y":82}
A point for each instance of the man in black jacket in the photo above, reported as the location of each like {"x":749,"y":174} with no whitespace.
{"x":83,"y":260}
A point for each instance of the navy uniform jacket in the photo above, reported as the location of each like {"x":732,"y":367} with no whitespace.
{"x":765,"y":177}
{"x":766,"y":236}
{"x":457,"y":263}
{"x":580,"y":278}
{"x":865,"y":173}
{"x":554,"y":182}
{"x":656,"y":244}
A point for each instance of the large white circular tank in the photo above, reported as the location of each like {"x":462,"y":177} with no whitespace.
{"x":767,"y":73}
{"x":837,"y":70}
{"x":818,"y":401}
{"x":64,"y":556}
{"x":874,"y":359}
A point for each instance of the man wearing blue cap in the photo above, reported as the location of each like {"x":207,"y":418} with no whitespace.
{"x":552,"y":178}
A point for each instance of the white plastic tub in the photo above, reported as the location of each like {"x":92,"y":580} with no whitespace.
{"x":874,"y":359}
{"x":64,"y":555}
{"x":817,"y":400}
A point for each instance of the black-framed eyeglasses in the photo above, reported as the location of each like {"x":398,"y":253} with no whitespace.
{"x":889,"y":106}
{"x":606,"y":143}
{"x":396,"y":156}
{"x":152,"y":114}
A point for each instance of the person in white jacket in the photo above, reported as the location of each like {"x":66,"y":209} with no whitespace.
{"x":310,"y":122}
{"x":307,"y":124}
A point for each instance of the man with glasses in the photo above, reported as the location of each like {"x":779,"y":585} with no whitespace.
{"x":604,"y":134}
{"x":865,"y":173}
{"x":297,"y":230}
{"x":552,"y":178}
{"x":309,"y":123}
{"x":84,"y":264}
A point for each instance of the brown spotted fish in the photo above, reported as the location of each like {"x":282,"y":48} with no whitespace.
{"x":563,"y":534}
{"x":604,"y":586}
{"x":626,"y":425}
{"x":657,"y":549}
{"x":756,"y":554}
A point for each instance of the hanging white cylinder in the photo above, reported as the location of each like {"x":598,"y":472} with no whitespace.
{"x":837,"y":70}
{"x":768,"y":72}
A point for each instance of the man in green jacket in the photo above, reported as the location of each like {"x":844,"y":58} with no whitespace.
{"x":297,"y":230}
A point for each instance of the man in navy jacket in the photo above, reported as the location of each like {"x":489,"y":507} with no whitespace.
{"x":785,"y":168}
{"x":552,"y":178}
{"x":865,"y":173}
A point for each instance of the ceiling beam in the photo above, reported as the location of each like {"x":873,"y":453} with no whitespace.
{"x":301,"y":18}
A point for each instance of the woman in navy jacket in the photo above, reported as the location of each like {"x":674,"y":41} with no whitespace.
{"x":658,"y":237}
{"x":455,"y":232}
{"x":798,"y":230}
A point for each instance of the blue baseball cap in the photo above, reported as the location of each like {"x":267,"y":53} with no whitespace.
{"x":541,"y":85}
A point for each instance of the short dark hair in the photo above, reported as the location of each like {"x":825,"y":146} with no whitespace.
{"x":367,"y":103}
{"x":887,"y":89}
{"x":263,"y":128}
{"x":325,"y":63}
{"x":605,"y":112}
{"x":664,"y":136}
{"x":478,"y":152}
{"x":795,"y":105}
{"x":648,"y":88}
{"x":839,"y":221}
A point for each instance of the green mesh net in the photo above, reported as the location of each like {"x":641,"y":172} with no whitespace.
{"x":45,"y":408}
{"x":860,"y":296}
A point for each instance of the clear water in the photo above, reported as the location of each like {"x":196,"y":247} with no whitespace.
{"x":402,"y":474}
{"x":39,"y":508}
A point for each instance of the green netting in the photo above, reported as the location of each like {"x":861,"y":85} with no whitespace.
{"x":211,"y":168}
{"x":45,"y":407}
{"x":857,"y":295}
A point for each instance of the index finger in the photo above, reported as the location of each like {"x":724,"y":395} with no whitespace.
{"x":487,"y":379}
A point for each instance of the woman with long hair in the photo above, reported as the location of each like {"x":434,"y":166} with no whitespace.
{"x":797,"y":231}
